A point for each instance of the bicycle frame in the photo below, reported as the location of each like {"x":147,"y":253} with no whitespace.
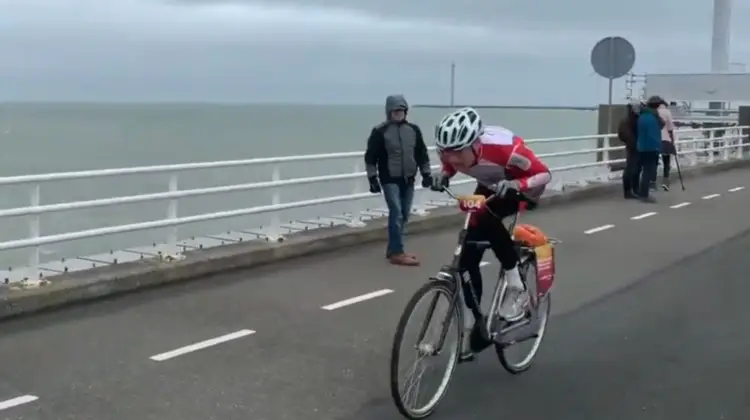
{"x":452,"y":273}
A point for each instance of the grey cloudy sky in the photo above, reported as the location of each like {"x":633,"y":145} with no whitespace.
{"x":342,"y":51}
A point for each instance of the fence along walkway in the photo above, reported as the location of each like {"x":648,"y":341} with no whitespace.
{"x":694,"y":146}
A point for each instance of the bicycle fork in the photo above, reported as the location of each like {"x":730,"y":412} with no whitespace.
{"x":442,"y":275}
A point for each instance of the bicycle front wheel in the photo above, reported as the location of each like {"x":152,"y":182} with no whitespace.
{"x":427,"y":344}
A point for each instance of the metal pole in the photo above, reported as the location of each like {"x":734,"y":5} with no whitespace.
{"x":609,"y":107}
{"x":610,"y":80}
{"x":453,"y":84}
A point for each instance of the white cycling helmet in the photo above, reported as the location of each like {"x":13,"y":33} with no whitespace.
{"x":458,"y":130}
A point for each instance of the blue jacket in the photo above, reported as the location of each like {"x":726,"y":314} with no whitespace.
{"x":649,"y":131}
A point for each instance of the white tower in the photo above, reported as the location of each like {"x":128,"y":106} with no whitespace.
{"x":721,"y":36}
{"x":720,"y":41}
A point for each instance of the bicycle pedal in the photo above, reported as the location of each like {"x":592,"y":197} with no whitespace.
{"x":467,"y":357}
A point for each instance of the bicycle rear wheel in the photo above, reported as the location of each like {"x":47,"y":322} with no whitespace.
{"x":513,"y":363}
{"x":434,"y":292}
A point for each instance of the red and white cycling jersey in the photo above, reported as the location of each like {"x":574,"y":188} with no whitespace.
{"x":503,"y":155}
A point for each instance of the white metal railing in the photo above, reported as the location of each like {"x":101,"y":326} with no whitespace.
{"x":692,"y":144}
{"x":701,"y":119}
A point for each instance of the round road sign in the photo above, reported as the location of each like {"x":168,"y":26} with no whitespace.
{"x":613,"y":57}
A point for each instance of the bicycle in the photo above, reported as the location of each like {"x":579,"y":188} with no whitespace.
{"x":447,"y":283}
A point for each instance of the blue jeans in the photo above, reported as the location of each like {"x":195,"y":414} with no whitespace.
{"x":398,"y":197}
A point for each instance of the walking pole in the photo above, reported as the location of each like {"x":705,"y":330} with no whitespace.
{"x":679,"y":172}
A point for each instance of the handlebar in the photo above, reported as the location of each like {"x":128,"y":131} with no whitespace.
{"x":520,"y":195}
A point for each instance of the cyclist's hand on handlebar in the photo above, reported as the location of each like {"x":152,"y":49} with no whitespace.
{"x":505,"y":186}
{"x":439,"y":181}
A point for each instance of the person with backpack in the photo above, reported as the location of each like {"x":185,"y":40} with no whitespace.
{"x":627,"y":134}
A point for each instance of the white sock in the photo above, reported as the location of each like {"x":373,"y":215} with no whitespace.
{"x":513,"y":277}
{"x":468,"y":317}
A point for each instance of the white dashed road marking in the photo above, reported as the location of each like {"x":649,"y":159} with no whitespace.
{"x":598,"y":229}
{"x":653,"y":213}
{"x":201,"y":345}
{"x":14,"y":402}
{"x":483,"y":263}
{"x":357,"y":299}
{"x":644,"y":215}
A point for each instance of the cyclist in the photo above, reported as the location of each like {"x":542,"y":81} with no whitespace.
{"x":502,"y":164}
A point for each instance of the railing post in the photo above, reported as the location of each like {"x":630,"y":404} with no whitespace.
{"x":605,"y":151}
{"x":711,"y":135}
{"x":694,"y":157}
{"x":275,"y":228}
{"x":725,"y":142}
{"x":34,"y":231}
{"x":172,"y":209}
{"x":356,"y":220}
{"x":740,"y":138}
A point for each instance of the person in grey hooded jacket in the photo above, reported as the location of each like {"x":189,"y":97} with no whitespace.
{"x":396,"y":151}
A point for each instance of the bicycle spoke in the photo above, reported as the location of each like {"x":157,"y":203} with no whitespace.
{"x":424,"y":350}
{"x":415,"y":384}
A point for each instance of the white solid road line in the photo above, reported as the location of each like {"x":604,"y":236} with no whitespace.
{"x":202,"y":345}
{"x":644,"y":215}
{"x":13,"y":402}
{"x":735,"y":189}
{"x":357,"y":299}
{"x":710,"y":196}
{"x":677,"y":206}
{"x":598,"y":229}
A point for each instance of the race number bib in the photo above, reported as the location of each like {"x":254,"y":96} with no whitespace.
{"x":471,"y":203}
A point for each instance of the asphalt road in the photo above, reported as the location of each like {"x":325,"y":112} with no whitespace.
{"x":649,"y":322}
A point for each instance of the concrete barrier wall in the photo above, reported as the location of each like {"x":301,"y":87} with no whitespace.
{"x":29,"y":297}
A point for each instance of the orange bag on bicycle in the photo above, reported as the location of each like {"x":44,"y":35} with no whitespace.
{"x":530,"y":235}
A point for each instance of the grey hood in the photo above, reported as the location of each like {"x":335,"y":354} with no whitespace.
{"x":394,"y":103}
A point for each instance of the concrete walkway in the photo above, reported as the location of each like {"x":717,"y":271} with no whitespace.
{"x":649,"y":322}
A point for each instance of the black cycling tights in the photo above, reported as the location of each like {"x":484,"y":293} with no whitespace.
{"x":488,"y":227}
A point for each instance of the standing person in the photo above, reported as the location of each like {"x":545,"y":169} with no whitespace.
{"x":627,"y":133}
{"x":395,"y":152}
{"x":667,"y":138}
{"x":649,"y":146}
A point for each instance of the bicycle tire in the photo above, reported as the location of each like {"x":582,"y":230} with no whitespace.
{"x":448,"y":289}
{"x":517,"y":368}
